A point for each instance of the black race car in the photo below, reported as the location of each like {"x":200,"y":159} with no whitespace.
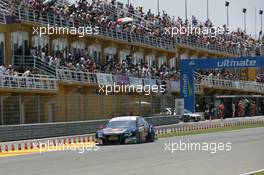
{"x":125,"y":130}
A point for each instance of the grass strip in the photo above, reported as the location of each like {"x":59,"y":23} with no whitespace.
{"x":211,"y":130}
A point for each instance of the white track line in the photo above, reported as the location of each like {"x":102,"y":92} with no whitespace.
{"x":257,"y":171}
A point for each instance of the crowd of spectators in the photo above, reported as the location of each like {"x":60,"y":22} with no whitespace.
{"x":245,"y":107}
{"x":260,"y":78}
{"x":9,"y":70}
{"x":226,"y":74}
{"x":105,"y":13}
{"x":84,"y":62}
{"x":142,"y":69}
{"x":223,"y":74}
{"x":242,"y":107}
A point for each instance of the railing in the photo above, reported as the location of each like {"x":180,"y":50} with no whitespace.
{"x":198,"y":44}
{"x":6,"y":7}
{"x":55,"y":20}
{"x":199,"y":88}
{"x":32,"y":82}
{"x":261,"y":52}
{"x":75,"y":76}
{"x":111,"y":33}
{"x":44,"y":66}
{"x":231,"y":84}
{"x":31,"y":62}
{"x":85,"y":77}
{"x":2,"y":17}
{"x":49,"y":82}
{"x":24,"y":61}
{"x":162,"y":43}
{"x":136,"y":18}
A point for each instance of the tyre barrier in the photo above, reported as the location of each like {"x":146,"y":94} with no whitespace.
{"x":206,"y":126}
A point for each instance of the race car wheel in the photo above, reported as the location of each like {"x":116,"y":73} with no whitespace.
{"x":104,"y":142}
{"x":197,"y":120}
{"x":151,"y":137}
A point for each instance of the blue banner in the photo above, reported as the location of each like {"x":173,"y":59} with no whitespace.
{"x":187,"y":85}
{"x":187,"y":68}
{"x":218,"y":63}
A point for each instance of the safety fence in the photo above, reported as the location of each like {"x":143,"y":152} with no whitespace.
{"x":78,"y":107}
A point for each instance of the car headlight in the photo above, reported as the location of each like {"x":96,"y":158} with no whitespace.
{"x":99,"y":135}
{"x":129,"y":134}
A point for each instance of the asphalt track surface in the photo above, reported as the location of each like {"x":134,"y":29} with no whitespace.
{"x":246,"y":155}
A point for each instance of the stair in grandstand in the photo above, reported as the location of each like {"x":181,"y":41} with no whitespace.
{"x":30,"y":62}
{"x":44,"y":67}
{"x":23,"y":62}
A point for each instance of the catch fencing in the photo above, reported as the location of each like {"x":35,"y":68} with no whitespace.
{"x":20,"y":109}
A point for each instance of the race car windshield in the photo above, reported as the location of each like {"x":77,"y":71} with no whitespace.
{"x":121,"y":124}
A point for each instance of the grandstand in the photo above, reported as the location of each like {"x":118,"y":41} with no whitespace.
{"x":56,"y":78}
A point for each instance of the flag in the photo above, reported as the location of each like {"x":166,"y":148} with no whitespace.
{"x":124,"y":20}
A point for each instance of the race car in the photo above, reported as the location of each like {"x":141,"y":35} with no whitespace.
{"x":190,"y":116}
{"x":126,"y":130}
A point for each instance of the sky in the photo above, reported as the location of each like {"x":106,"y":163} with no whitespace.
{"x":217,"y":11}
